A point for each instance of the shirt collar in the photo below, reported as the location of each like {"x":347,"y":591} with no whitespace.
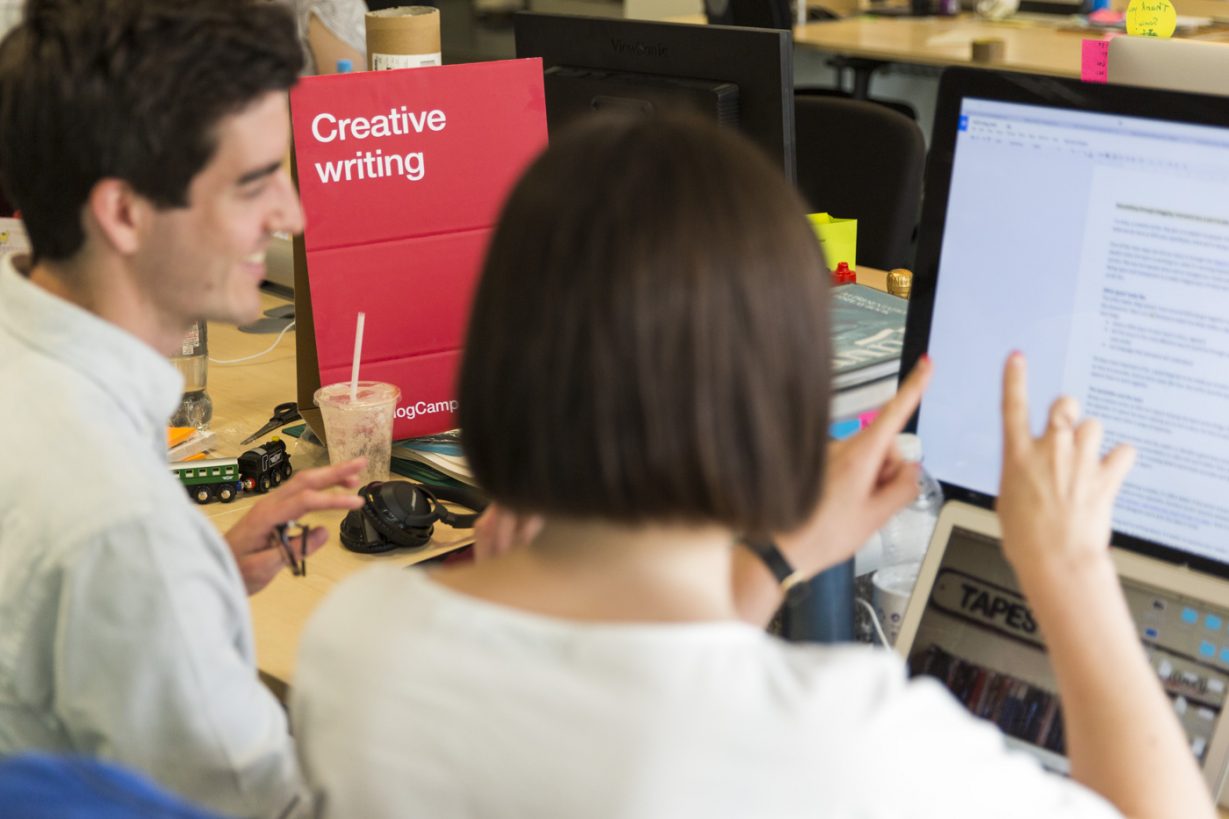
{"x":142,"y":381}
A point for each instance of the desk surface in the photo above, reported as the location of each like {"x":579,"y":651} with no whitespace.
{"x":945,"y":41}
{"x":1036,"y":45}
{"x":243,"y":399}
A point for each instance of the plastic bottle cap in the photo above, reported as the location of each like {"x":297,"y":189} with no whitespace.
{"x":344,"y":66}
{"x":910,"y":447}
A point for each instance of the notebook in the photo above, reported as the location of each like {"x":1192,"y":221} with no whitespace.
{"x":1088,"y":226}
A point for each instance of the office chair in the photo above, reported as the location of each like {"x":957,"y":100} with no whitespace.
{"x":778,"y":14}
{"x":759,"y":13}
{"x":861,"y":160}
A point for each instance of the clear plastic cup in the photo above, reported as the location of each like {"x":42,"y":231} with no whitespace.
{"x":893,"y":586}
{"x":363,"y":426}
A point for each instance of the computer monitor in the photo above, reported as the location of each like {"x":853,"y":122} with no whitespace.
{"x":1057,"y":7}
{"x":1179,"y":65}
{"x":1060,"y":7}
{"x":757,"y":13}
{"x":742,"y":77}
{"x":1086,"y":225}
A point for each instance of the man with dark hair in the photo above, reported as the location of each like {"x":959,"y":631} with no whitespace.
{"x":143,"y":141}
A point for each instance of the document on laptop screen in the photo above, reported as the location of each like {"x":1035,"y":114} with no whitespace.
{"x":1098,"y":245}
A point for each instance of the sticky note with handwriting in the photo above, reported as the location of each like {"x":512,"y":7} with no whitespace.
{"x":1151,"y":18}
{"x":1094,"y":60}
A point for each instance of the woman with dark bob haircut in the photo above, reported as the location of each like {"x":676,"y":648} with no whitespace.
{"x":645,"y":390}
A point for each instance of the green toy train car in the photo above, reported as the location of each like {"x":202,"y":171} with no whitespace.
{"x":258,"y":470}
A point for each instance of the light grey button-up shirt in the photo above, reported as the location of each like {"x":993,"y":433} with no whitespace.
{"x":124,"y":626}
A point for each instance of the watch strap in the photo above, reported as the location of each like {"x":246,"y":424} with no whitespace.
{"x":790,"y":580}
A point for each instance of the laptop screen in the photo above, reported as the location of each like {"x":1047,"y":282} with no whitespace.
{"x":1098,"y":244}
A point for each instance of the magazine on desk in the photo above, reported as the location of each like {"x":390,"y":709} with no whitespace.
{"x":442,"y":452}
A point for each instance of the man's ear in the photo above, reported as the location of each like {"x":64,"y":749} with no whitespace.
{"x":117,"y":214}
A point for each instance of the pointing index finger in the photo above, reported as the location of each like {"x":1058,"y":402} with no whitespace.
{"x":896,"y":412}
{"x":1015,"y":403}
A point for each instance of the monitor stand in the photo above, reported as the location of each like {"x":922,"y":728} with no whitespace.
{"x":275,"y":320}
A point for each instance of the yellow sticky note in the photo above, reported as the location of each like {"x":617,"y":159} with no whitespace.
{"x":1151,"y":18}
{"x":837,"y":237}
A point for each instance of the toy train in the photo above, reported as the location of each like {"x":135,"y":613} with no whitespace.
{"x":258,"y":470}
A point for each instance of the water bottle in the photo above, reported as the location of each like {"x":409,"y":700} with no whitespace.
{"x":906,"y":535}
{"x":196,"y":408}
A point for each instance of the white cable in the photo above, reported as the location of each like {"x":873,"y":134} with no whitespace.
{"x":874,"y":621}
{"x":276,"y":341}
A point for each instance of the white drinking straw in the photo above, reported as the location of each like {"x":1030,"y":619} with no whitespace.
{"x":358,"y":354}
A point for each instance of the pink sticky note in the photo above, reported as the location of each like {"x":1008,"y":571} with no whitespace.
{"x":1094,"y":60}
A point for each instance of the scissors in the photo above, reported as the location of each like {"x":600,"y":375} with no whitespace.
{"x":283,"y":414}
{"x":281,"y":533}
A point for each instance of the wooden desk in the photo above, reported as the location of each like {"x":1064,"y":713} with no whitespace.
{"x":945,"y":41}
{"x":1032,"y":45}
{"x":243,"y":399}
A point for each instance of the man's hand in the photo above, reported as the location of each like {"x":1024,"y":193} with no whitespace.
{"x":253,"y":540}
{"x":865,"y":483}
{"x":1056,"y":493}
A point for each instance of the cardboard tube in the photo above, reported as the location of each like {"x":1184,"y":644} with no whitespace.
{"x":403,"y":37}
{"x":988,"y":50}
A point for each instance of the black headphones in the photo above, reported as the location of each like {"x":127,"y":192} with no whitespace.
{"x":397,"y":514}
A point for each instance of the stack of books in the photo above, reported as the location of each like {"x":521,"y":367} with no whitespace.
{"x":868,"y":332}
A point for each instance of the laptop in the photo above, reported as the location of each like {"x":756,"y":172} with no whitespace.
{"x":968,"y":626}
{"x":1086,"y":225}
{"x":1183,"y":65}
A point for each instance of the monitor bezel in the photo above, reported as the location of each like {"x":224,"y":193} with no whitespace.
{"x":957,"y":84}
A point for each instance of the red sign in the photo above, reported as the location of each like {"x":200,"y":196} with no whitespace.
{"x":402,"y":174}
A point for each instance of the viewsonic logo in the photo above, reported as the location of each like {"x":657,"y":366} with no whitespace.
{"x":639,"y":49}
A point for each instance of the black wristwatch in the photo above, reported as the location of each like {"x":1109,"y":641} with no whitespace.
{"x":791,"y":581}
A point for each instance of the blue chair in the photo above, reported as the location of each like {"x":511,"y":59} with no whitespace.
{"x":43,"y":786}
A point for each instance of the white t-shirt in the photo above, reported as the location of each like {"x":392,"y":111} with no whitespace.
{"x":345,"y":19}
{"x":414,"y":700}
